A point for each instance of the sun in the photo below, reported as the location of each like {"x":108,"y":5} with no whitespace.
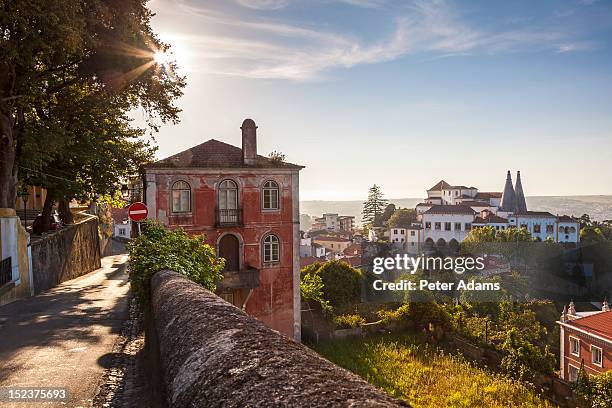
{"x":162,"y":58}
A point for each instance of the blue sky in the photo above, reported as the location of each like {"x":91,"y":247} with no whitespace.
{"x":402,"y":93}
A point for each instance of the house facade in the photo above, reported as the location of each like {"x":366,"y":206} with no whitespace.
{"x":585,"y":341}
{"x":247,"y":206}
{"x":449,"y":212}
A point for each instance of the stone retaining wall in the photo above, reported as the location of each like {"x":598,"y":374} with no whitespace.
{"x":214,"y":355}
{"x":66,"y":254}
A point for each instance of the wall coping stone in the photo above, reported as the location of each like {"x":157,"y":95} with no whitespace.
{"x":213,"y":354}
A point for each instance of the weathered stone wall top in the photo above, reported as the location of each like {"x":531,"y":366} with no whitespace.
{"x":213,"y":354}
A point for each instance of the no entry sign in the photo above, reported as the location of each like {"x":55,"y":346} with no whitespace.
{"x":138,"y":211}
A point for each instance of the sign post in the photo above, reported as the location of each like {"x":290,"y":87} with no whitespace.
{"x":138,"y":212}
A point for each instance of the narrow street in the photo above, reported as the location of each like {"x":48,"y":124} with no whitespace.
{"x":64,"y":338}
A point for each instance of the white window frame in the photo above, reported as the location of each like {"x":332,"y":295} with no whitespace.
{"x":181,"y":199}
{"x":600,"y":364}
{"x":569,"y":373}
{"x":571,"y":348}
{"x":267,"y":249}
{"x":272,"y":188}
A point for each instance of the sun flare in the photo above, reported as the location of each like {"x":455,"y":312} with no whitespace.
{"x":161,"y":57}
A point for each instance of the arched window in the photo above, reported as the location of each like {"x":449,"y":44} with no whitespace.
{"x":228,"y":195}
{"x":181,"y":197}
{"x":270,"y":196}
{"x":271,"y":249}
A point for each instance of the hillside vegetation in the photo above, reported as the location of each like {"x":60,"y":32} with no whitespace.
{"x":408,"y":369}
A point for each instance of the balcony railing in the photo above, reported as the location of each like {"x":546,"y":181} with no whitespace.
{"x":229,"y":217}
{"x":246,"y":278}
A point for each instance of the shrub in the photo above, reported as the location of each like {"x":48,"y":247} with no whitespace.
{"x":157,"y":249}
{"x":311,"y":289}
{"x":341,"y":283}
{"x":597,"y":391}
{"x":392,"y":316}
{"x":349,"y":321}
{"x":523,"y":360}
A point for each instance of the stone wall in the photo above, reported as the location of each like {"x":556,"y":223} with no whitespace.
{"x":212,"y":355}
{"x":66,"y":254}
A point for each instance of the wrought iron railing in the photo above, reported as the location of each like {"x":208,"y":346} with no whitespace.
{"x":229,"y":217}
{"x":6,"y":271}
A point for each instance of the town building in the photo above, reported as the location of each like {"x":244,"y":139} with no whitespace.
{"x":122,"y":226}
{"x":332,"y":243}
{"x":449,"y":212}
{"x":407,"y":237}
{"x":333,"y":222}
{"x":247,"y":206}
{"x":585,"y":341}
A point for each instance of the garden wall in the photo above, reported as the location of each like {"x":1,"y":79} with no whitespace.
{"x":212,"y":354}
{"x":66,"y":254}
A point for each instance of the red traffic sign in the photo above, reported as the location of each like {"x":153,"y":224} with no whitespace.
{"x":138,"y":211}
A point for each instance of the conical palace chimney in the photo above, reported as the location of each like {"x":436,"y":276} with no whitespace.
{"x":521,"y":205}
{"x":508,"y":201}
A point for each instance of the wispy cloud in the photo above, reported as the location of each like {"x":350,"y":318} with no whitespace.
{"x":233,"y":44}
{"x":263,"y":4}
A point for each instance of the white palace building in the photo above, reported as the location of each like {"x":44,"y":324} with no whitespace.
{"x":450,"y":212}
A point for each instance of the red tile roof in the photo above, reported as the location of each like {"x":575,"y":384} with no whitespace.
{"x":485,"y":195}
{"x":490,"y":219}
{"x":309,"y":260}
{"x":330,"y":239}
{"x":450,"y":209}
{"x":597,"y":323}
{"x":119,"y":215}
{"x":544,"y":214}
{"x":441,"y":184}
{"x":475,"y":203}
{"x":567,"y":218}
{"x":215,"y":154}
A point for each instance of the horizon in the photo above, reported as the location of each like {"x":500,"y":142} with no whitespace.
{"x":401,"y":93}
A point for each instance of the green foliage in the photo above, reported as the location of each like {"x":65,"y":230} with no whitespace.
{"x":311,"y":289}
{"x":406,"y":368}
{"x":70,"y":72}
{"x":341,"y":283}
{"x":597,"y":391}
{"x":374,"y":205}
{"x":403,"y":217}
{"x":523,"y":360}
{"x":276,"y":157}
{"x":158,"y":249}
{"x":349,"y":321}
{"x":394,"y":316}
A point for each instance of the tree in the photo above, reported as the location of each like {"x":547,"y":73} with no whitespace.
{"x":402,"y":217}
{"x":61,"y":61}
{"x":341,"y":282}
{"x":374,"y":205}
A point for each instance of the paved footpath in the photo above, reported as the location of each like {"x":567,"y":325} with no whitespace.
{"x":64,"y":337}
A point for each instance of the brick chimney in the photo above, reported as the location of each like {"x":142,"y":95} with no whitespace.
{"x":249,"y":142}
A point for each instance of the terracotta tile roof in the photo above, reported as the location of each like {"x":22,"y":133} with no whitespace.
{"x":309,"y":260}
{"x":441,"y":184}
{"x":485,"y":195}
{"x":119,"y":215}
{"x":544,"y":214}
{"x":450,"y":209}
{"x":353,"y":249}
{"x":215,"y":154}
{"x":354,"y":261}
{"x":490,"y":219}
{"x":475,"y":203}
{"x":597,"y":323}
{"x":424,"y":205}
{"x":330,"y":239}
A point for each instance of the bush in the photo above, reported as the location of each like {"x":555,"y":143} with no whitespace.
{"x":341,"y":283}
{"x":349,"y":321}
{"x":311,"y":290}
{"x":523,"y":360}
{"x":597,"y":391}
{"x":157,"y":249}
{"x":393,"y":316}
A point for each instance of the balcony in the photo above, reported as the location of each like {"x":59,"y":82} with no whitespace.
{"x":229,"y":217}
{"x":247,"y":278}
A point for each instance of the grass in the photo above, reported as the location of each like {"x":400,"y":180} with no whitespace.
{"x":408,"y":369}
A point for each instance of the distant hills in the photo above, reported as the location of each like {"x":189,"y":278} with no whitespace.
{"x":599,"y":207}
